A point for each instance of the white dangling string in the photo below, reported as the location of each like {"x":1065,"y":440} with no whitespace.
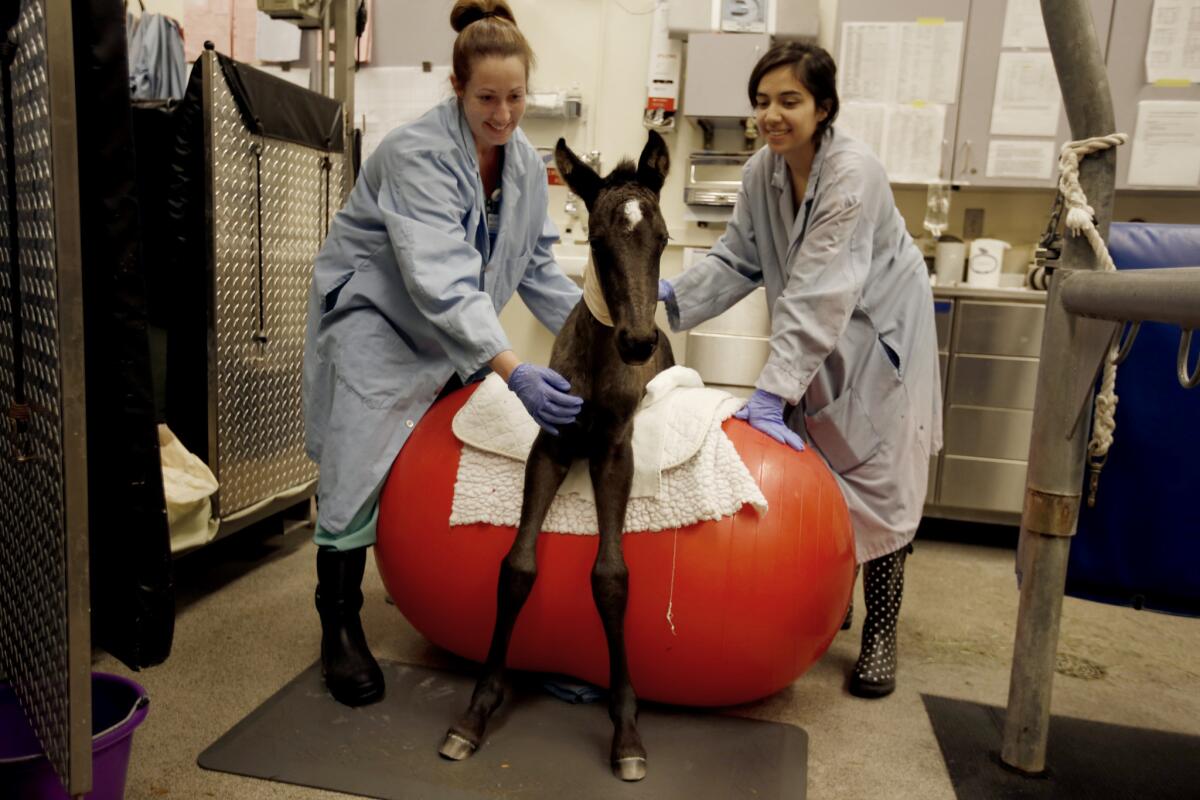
{"x":1079,"y":217}
{"x":671,"y":594}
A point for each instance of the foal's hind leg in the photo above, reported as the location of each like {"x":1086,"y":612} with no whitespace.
{"x":612,"y":476}
{"x":544,"y":472}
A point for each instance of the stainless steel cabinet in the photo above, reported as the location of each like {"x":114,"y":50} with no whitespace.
{"x":717,"y":66}
{"x":988,"y":346}
{"x":729,"y":350}
{"x":943,"y":318}
{"x":992,"y":359}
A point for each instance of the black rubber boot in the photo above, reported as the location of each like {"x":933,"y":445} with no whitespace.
{"x":883,"y":586}
{"x":351,"y":673}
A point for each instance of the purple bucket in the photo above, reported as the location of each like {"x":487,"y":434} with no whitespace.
{"x":118,"y":706}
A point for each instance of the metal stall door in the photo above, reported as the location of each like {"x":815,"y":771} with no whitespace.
{"x":44,"y":637}
{"x":271,"y":205}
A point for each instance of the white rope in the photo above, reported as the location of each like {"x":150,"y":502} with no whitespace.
{"x":1079,"y":218}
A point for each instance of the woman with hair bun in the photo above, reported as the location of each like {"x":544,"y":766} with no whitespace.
{"x":446,"y":221}
{"x":853,"y":366}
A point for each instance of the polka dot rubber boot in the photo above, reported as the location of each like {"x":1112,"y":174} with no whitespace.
{"x":883,"y":585}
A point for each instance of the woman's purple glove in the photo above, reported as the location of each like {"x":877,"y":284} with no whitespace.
{"x":764,"y":412}
{"x":666,"y":291}
{"x":544,"y":393}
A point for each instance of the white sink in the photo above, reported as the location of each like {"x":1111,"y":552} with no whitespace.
{"x":572,"y":258}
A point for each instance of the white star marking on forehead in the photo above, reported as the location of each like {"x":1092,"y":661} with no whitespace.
{"x":633,"y":213}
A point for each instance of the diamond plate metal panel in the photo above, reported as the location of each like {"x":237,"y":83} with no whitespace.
{"x":260,"y":423}
{"x":37,"y":600}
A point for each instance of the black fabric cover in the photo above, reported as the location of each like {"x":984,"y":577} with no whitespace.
{"x":278,"y":109}
{"x":132,"y":591}
{"x":186,"y":292}
{"x":154,"y":138}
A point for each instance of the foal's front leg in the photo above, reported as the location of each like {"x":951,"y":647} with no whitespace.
{"x":612,"y":476}
{"x":544,"y":472}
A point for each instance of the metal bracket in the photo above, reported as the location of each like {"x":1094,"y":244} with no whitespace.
{"x":1050,"y":514}
{"x":1185,"y":345}
{"x":1093,"y":340}
{"x":1129,"y":334}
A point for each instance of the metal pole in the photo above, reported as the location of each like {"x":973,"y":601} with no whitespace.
{"x":343,"y":78}
{"x":1163,"y":295}
{"x":1056,"y":461}
{"x":323,"y":61}
{"x":68,"y":264}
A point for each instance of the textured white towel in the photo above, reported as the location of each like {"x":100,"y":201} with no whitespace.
{"x":685,"y":467}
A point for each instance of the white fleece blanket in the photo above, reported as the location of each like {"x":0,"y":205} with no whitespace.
{"x":685,"y":467}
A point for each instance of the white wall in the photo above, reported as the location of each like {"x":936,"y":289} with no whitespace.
{"x":603,"y":47}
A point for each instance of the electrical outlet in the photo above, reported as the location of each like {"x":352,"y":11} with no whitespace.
{"x":973,"y":223}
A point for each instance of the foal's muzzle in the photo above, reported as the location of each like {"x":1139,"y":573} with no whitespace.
{"x":636,"y":349}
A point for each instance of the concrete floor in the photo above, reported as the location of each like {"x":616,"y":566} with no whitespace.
{"x":246,"y":626}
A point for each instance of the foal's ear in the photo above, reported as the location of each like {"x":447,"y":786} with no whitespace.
{"x":654,"y":163}
{"x":581,"y":178}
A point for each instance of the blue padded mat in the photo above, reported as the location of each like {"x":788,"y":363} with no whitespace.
{"x":1140,"y":544}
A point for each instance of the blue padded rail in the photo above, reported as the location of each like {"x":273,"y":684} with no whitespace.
{"x":1140,"y":544}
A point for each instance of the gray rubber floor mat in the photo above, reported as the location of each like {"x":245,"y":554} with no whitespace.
{"x":1085,"y":760}
{"x":537,"y":746}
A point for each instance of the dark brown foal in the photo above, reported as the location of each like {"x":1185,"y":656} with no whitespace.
{"x":609,"y":367}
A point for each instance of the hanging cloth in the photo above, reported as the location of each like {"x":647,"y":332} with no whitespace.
{"x":157,"y":70}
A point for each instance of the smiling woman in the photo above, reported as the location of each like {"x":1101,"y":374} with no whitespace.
{"x":446,"y":221}
{"x":795,"y":101}
{"x":492,"y":61}
{"x":493,"y":102}
{"x":853,"y":365}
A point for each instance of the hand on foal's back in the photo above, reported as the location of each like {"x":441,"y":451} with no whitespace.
{"x":546,"y":396}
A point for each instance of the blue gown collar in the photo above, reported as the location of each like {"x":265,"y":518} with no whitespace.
{"x":781,"y":181}
{"x":511,"y":177}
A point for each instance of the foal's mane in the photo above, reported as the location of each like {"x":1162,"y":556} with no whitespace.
{"x":624,"y":172}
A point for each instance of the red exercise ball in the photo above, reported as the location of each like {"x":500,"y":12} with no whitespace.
{"x":755,"y":601}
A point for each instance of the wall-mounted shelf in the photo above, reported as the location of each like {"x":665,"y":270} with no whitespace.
{"x":553,"y":105}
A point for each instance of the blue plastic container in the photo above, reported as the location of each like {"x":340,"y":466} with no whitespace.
{"x":118,"y":706}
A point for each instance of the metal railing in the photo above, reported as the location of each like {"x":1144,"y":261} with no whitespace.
{"x":1083,"y":312}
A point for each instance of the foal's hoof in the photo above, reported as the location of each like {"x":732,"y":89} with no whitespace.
{"x":457,"y":747}
{"x":631,"y":768}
